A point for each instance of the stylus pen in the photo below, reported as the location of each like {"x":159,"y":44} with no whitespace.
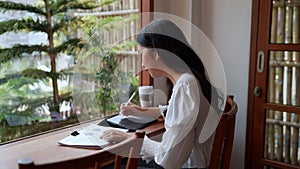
{"x":129,"y":100}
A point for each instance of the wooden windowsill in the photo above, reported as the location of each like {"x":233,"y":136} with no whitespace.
{"x":44,"y":148}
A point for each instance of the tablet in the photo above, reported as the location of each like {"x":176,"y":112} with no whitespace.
{"x":130,"y":122}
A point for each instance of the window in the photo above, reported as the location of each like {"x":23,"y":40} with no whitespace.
{"x":27,"y":104}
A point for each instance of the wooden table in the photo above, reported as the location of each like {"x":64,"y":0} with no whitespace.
{"x":45,"y":149}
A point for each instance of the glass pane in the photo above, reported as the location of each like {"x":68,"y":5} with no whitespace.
{"x":285,"y":21}
{"x":284,"y":78}
{"x":26,"y":104}
{"x":282,"y":137}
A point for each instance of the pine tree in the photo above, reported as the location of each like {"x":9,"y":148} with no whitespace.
{"x":53,"y":20}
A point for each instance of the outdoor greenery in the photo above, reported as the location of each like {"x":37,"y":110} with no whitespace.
{"x":19,"y":70}
{"x":50,"y":18}
{"x":98,"y":63}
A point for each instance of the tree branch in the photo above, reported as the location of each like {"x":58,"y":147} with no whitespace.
{"x":28,"y":24}
{"x":66,"y":5}
{"x":18,"y":51}
{"x":69,"y":46}
{"x":6,"y":5}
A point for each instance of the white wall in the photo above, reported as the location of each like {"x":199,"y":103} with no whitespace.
{"x":227,"y":24}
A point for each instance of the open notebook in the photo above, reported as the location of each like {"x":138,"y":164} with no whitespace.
{"x":88,"y":137}
{"x":130,"y":122}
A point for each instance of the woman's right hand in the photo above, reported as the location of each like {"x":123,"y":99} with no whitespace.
{"x":114,"y":136}
{"x":131,"y":110}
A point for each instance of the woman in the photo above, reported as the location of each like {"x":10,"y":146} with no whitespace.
{"x":165,"y":52}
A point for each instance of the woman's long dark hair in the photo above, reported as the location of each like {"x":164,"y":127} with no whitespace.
{"x":166,"y":38}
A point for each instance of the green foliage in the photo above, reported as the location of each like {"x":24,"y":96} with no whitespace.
{"x":116,"y":22}
{"x":6,"y":78}
{"x":36,"y":73}
{"x":125,"y":46}
{"x":112,"y":83}
{"x":28,"y":24}
{"x":65,"y":5}
{"x":51,"y":17}
{"x":54,"y":18}
{"x":19,"y":82}
{"x":19,"y":51}
{"x":105,"y":76}
{"x":109,"y":65}
{"x":70,"y":46}
{"x":7,"y":5}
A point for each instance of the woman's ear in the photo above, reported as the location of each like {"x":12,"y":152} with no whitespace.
{"x":156,"y":56}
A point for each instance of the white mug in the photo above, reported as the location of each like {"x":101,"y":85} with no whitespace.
{"x":146,"y":96}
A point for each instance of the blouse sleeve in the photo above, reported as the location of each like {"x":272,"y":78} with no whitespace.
{"x":178,"y":139}
{"x":163,"y":110}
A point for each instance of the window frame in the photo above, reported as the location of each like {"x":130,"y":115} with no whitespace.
{"x":146,"y":7}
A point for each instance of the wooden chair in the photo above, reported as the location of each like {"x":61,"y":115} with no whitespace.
{"x":130,"y":147}
{"x":222,"y":147}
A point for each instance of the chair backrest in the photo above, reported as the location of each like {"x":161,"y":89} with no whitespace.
{"x":130,"y":147}
{"x":222,"y":147}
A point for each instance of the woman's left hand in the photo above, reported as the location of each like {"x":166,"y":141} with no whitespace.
{"x":114,"y":136}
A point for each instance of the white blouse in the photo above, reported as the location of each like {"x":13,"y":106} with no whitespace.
{"x":184,"y":120}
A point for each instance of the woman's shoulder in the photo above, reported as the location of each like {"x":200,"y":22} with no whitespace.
{"x":187,"y":79}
